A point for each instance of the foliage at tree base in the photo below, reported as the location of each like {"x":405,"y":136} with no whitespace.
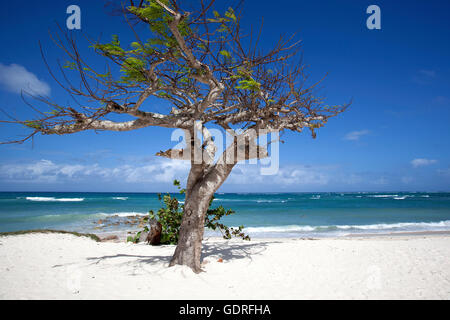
{"x":171,"y":215}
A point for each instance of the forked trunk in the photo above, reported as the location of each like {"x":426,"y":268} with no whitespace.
{"x":189,"y":248}
{"x":200,"y":188}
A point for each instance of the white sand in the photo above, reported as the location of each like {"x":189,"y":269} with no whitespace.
{"x":55,"y":266}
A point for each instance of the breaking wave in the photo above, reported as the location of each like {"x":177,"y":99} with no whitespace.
{"x":401,"y":198}
{"x":122,"y":214}
{"x":53,"y":199}
{"x":403,"y":226}
{"x":383,"y":196}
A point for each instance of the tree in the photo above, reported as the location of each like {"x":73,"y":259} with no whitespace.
{"x":211,"y":73}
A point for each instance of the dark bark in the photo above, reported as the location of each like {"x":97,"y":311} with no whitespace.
{"x":154,"y":235}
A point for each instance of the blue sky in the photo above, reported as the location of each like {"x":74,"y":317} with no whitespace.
{"x":395,"y":136}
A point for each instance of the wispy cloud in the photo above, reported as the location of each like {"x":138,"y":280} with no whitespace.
{"x":407,"y":179}
{"x":159,"y":170}
{"x":46,"y":171}
{"x":355,"y":135}
{"x":422,"y":162}
{"x":295,"y":175}
{"x":424,"y":76}
{"x":428,"y":73}
{"x":158,"y":174}
{"x":15,"y":78}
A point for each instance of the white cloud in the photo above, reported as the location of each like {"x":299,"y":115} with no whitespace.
{"x":15,"y":78}
{"x":355,"y":135}
{"x":45,"y":171}
{"x":160,"y":173}
{"x":157,"y":171}
{"x":421,"y":162}
{"x":298,"y":175}
{"x":380,"y":181}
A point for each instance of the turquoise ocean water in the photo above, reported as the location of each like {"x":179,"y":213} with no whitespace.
{"x":263,"y":215}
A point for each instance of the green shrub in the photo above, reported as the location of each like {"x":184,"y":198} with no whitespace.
{"x":171,"y":215}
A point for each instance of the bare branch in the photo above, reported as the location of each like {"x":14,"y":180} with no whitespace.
{"x":201,"y":62}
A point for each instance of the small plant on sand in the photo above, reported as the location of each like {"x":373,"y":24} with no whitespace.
{"x":171,"y":215}
{"x":77,"y":234}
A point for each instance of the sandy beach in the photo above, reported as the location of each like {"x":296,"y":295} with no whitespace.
{"x":63,"y":266}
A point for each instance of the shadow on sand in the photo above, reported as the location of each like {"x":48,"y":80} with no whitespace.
{"x":228,"y":251}
{"x":234,"y":251}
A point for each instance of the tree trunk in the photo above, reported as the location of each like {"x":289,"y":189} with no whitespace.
{"x":189,"y":248}
{"x":201,"y":185}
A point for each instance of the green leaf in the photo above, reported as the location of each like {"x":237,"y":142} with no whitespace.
{"x":230,"y":14}
{"x":225,"y":53}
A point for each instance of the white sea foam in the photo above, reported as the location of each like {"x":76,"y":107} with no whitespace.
{"x":122,"y":214}
{"x":120,"y":198}
{"x":383,"y":196}
{"x":291,"y":228}
{"x":238,"y":200}
{"x":84,"y":216}
{"x":49,"y":216}
{"x":401,"y":198}
{"x":51,"y":199}
{"x":251,"y":200}
{"x":402,"y":226}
